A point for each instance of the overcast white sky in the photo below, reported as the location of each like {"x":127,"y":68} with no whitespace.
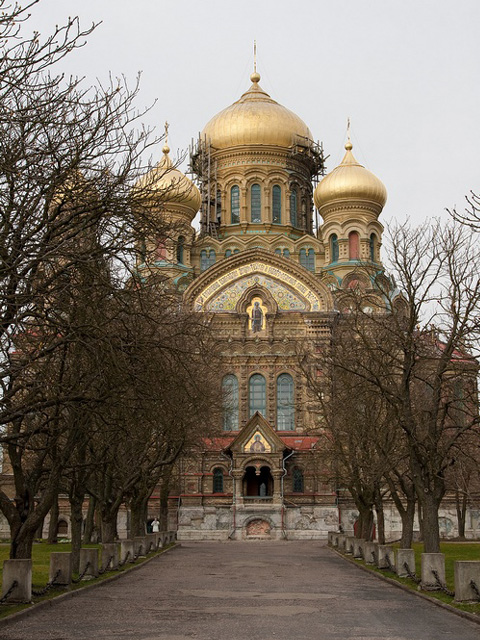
{"x":405,"y":71}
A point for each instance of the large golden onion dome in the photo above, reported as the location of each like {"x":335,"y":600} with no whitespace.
{"x":255,"y":119}
{"x":171,"y":185}
{"x":350,"y":181}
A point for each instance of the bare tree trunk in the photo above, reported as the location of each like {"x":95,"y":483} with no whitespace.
{"x":163,"y":515}
{"x":53,"y":524}
{"x":76,"y":503}
{"x":109,"y":525}
{"x":431,"y":529}
{"x":365,"y":523}
{"x":461,"y":507}
{"x":139,"y":516}
{"x":380,"y":516}
{"x":89,"y":521}
{"x":408,"y":518}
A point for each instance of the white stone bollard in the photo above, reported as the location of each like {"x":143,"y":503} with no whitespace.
{"x":466,"y":573}
{"x":88,"y":567}
{"x":370,"y":552}
{"x":358,"y":545}
{"x":405,"y":557}
{"x":432,"y":562}
{"x":330,"y":539}
{"x":109,"y":556}
{"x":60,"y":568}
{"x":140,"y":546}
{"x":385,"y":550}
{"x":349,"y":544}
{"x":127,"y":548}
{"x":341,"y":542}
{"x":19,"y":571}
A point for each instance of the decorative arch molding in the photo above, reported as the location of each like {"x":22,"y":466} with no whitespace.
{"x":250,"y":293}
{"x":259,"y":262}
{"x":256,"y":461}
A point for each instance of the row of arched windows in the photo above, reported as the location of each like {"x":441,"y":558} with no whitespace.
{"x":298,"y":483}
{"x":353,"y":246}
{"x":256,"y":205}
{"x":257,"y":400}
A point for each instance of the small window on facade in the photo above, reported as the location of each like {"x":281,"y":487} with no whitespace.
{"x":203,"y":260}
{"x":372,"y":247}
{"x":293,"y":208}
{"x":286,"y":253}
{"x":218,"y":480}
{"x":307,"y":259}
{"x":297,"y":480}
{"x":228,"y":253}
{"x":334,"y":247}
{"x":211,"y":258}
{"x":353,"y":245}
{"x":278,"y":252}
{"x":285,"y":403}
{"x":235,"y":204}
{"x":257,"y":394}
{"x":256,"y":203}
{"x":180,"y":249}
{"x":277,"y":204}
{"x":236,"y":251}
{"x":230,"y":402}
{"x":218,"y":206}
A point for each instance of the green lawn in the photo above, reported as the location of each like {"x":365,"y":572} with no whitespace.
{"x":41,"y":566}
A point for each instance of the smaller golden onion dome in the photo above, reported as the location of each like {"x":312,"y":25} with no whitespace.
{"x":255,"y":119}
{"x":171,"y":185}
{"x":350,"y":181}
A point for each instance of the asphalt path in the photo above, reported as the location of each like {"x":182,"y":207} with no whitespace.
{"x":244,"y":590}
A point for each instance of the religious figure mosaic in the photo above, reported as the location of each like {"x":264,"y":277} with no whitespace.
{"x":257,"y":444}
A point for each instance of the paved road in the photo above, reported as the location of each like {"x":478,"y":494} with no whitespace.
{"x":244,"y":591}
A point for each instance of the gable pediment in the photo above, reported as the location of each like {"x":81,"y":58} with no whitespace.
{"x":222,"y":286}
{"x":257,"y":436}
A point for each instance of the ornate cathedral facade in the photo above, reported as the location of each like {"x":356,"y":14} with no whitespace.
{"x":270,"y":276}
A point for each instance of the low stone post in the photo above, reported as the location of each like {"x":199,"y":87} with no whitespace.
{"x":140,"y":546}
{"x":341,"y":541}
{"x":432,"y":562}
{"x":385,"y":550}
{"x":330,"y":538}
{"x":60,"y":568}
{"x":88,"y":567}
{"x":370,"y":552}
{"x":358,"y":545}
{"x":467,"y":580}
{"x":349,"y":544}
{"x":19,"y":571}
{"x":150,"y":540}
{"x":335,"y":539}
{"x":110,"y":556}
{"x":405,"y":557}
{"x":127,"y":548}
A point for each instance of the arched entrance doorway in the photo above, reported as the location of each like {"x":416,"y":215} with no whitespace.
{"x":257,"y":483}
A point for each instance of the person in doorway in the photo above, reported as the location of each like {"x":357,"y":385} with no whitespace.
{"x":155,"y":526}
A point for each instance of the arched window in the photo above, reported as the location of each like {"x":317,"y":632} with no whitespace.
{"x":307,"y":259}
{"x":285,"y":403}
{"x":277,"y":204}
{"x":293,"y":207}
{"x":297,"y":480}
{"x":235,"y":204}
{"x":203,"y":260}
{"x":218,"y":206}
{"x":256,"y":203}
{"x":207,"y":258}
{"x":257,"y":394}
{"x":334,"y":247}
{"x":230,"y":402}
{"x":353,"y":245}
{"x":372,"y":247}
{"x":218,"y":480}
{"x":286,"y":253}
{"x":236,"y":251}
{"x":228,"y":253}
{"x":278,"y":252}
{"x":180,"y":249}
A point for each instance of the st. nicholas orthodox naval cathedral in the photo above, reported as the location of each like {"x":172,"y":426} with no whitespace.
{"x":271,"y":277}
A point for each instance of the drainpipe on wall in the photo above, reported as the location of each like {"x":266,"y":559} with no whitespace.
{"x":284,"y":534}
